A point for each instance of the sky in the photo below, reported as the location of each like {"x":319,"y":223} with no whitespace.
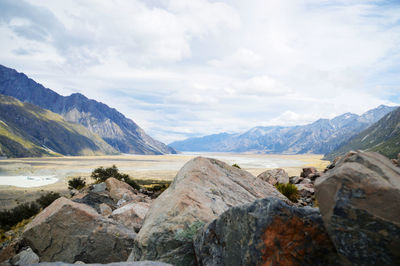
{"x":190,"y":68}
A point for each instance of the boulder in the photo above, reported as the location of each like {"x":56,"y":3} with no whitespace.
{"x":105,"y":210}
{"x":203,"y":189}
{"x":69,"y":231}
{"x":305,"y":190}
{"x":308,"y":171}
{"x":274,"y":176}
{"x":25,"y":257}
{"x":99,"y":188}
{"x":132,"y":263}
{"x":306,"y":181}
{"x":94,"y":200}
{"x":265,"y":232}
{"x":359,"y":202}
{"x":120,"y":190}
{"x":131,"y":215}
{"x":296,"y":179}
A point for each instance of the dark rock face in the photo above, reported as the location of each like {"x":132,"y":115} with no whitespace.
{"x":95,"y":200}
{"x":113,"y":127}
{"x":69,"y":231}
{"x":359,"y":201}
{"x":203,"y":189}
{"x":131,"y":263}
{"x":265,"y":232}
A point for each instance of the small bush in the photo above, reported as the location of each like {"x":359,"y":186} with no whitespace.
{"x":8,"y":218}
{"x":236,"y":165}
{"x":101,"y":174}
{"x":76,"y":183}
{"x":132,"y":183}
{"x":47,"y":199}
{"x":289,"y":190}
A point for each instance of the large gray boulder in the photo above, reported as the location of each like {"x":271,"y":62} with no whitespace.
{"x":25,"y":257}
{"x":265,"y":232}
{"x":202,"y":190}
{"x":69,"y":231}
{"x":359,"y":201}
{"x":132,"y":263}
{"x":273,"y":176}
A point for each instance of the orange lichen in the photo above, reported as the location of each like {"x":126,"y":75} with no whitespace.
{"x":287,"y":242}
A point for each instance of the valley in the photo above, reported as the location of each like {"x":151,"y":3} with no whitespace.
{"x":160,"y":167}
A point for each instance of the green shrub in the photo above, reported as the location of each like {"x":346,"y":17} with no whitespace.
{"x":132,"y":183}
{"x":76,"y":183}
{"x":289,"y":190}
{"x":8,"y":218}
{"x":47,"y":199}
{"x":236,"y":165}
{"x":190,"y":232}
{"x":101,"y":174}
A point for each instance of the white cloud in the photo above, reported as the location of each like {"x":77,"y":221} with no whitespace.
{"x":183,"y":68}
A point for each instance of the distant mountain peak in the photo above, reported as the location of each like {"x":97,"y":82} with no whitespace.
{"x":321,"y":136}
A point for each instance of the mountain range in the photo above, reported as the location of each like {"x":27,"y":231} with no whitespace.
{"x":319,"y":137}
{"x":114,"y":128}
{"x":382,"y":137}
{"x":27,"y":130}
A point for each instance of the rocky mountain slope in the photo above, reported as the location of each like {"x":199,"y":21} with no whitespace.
{"x":383,"y":137}
{"x":322,"y":136}
{"x":27,"y":130}
{"x":120,"y":132}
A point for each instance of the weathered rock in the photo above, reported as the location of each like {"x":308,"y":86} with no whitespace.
{"x":131,"y":263}
{"x":131,"y":215}
{"x":359,"y":201}
{"x":305,"y":181}
{"x":119,"y":189}
{"x":94,"y":200}
{"x":265,"y":232}
{"x":98,"y":188}
{"x":69,"y":231}
{"x":105,"y":210}
{"x":305,"y":190}
{"x":314,"y":176}
{"x":73,"y":192}
{"x":296,"y":179}
{"x":203,"y":189}
{"x":25,"y":257}
{"x":274,"y":176}
{"x":307,"y":171}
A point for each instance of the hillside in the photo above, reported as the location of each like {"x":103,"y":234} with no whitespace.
{"x":382,"y":137}
{"x":320,"y":137}
{"x":120,"y":132}
{"x":27,"y":130}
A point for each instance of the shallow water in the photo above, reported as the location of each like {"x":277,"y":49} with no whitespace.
{"x":27,"y":181}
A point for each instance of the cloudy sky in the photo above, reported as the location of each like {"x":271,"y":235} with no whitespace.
{"x":190,"y":68}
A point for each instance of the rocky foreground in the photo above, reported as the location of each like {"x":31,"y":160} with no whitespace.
{"x":216,"y":214}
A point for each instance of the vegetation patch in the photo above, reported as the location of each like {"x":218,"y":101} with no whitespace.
{"x":76,"y":183}
{"x":101,"y":174}
{"x":10,"y":218}
{"x":190,"y":232}
{"x":236,"y":165}
{"x":289,"y":190}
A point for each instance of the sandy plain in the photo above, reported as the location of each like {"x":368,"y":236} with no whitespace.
{"x":163,"y":167}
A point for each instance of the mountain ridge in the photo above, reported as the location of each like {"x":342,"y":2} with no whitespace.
{"x":382,"y":136}
{"x":120,"y":132}
{"x":321,"y":136}
{"x":27,"y":130}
